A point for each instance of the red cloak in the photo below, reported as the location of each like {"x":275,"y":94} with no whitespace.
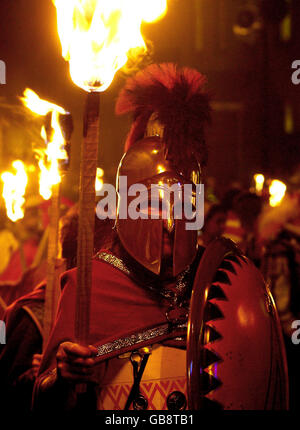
{"x":123,"y":314}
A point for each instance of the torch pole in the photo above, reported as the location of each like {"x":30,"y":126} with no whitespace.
{"x":86,"y":222}
{"x":52,"y":287}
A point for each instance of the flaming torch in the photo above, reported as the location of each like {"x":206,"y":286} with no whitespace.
{"x":54,"y":153}
{"x":99,"y":180}
{"x":50,"y":159}
{"x":97,"y":38}
{"x":277,"y":191}
{"x":14,"y":187}
{"x":259,"y":182}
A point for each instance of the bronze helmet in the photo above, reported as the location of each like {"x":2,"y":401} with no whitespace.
{"x":142,"y":237}
{"x":165,"y":147}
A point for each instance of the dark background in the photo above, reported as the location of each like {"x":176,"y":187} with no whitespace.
{"x":256,"y":118}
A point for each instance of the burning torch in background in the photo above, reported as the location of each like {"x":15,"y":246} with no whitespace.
{"x":14,"y":187}
{"x":97,"y":39}
{"x":275,"y":188}
{"x":53,"y":160}
{"x":277,"y":191}
{"x":259,"y":183}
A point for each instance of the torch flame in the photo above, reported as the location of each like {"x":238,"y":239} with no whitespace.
{"x":48,"y":158}
{"x":38,"y":106}
{"x":14,"y":187}
{"x":97,"y":36}
{"x":99,"y":180}
{"x":259,"y":182}
{"x":277,"y":191}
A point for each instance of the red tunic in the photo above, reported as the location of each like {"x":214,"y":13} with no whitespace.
{"x":124,"y":315}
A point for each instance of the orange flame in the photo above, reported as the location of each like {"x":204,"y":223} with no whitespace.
{"x":38,"y":106}
{"x":48,"y":158}
{"x":99,"y":179}
{"x":277,"y":191}
{"x":14,"y":187}
{"x":259,"y":182}
{"x":97,"y":36}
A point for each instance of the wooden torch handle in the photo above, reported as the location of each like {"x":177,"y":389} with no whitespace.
{"x":86,"y":223}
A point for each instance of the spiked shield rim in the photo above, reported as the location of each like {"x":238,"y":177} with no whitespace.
{"x":212,"y":257}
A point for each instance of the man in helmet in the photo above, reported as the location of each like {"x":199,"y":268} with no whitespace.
{"x":141,"y":285}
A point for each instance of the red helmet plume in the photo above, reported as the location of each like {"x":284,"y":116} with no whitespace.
{"x":179,"y":102}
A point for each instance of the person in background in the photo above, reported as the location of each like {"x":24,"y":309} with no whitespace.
{"x":214,"y":224}
{"x":248,"y":207}
{"x":279,"y":235}
{"x":233,"y":226}
{"x":20,"y":357}
{"x":27,"y":233}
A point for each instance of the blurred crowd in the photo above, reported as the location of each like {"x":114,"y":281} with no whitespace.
{"x":23,"y":245}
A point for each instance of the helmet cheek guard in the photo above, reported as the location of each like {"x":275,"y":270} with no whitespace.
{"x":185,"y":246}
{"x":142,"y":239}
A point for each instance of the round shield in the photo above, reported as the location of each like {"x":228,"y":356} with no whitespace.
{"x":235,"y":352}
